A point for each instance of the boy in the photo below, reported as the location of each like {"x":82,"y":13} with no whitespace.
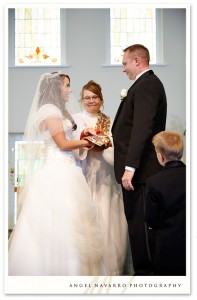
{"x":166,"y":206}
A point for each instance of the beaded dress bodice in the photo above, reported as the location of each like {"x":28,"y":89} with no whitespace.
{"x":53,"y":152}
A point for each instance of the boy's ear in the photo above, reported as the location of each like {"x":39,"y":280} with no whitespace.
{"x":160,"y":158}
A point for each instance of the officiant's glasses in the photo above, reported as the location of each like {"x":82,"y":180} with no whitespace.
{"x":89,"y":98}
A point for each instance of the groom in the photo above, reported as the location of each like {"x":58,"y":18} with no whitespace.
{"x":141,"y":114}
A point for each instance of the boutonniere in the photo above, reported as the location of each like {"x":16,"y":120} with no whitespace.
{"x":123,"y":94}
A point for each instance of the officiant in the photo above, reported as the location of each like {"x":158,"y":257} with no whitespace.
{"x":99,"y":172}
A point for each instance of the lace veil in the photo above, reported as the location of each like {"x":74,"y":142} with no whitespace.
{"x":48,"y":103}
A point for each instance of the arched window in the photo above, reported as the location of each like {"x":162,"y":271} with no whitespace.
{"x":37,"y":36}
{"x":135,"y":25}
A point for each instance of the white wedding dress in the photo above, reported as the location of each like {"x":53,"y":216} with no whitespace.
{"x":57,"y":231}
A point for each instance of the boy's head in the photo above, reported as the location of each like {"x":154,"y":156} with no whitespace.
{"x":168,"y":146}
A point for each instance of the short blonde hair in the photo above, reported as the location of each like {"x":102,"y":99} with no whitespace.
{"x":169,"y":144}
{"x":138,"y":50}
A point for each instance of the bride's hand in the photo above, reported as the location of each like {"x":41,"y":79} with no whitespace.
{"x":89,"y":145}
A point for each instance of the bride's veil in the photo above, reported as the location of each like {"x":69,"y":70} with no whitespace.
{"x":48,"y":103}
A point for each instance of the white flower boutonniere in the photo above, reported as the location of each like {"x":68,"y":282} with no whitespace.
{"x":123,"y":94}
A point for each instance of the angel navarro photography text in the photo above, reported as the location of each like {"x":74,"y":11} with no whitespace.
{"x":125,"y":285}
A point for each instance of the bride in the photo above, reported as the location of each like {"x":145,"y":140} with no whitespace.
{"x":57,"y":231}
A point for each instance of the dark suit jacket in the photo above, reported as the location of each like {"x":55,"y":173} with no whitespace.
{"x":140,"y":116}
{"x":166,"y":213}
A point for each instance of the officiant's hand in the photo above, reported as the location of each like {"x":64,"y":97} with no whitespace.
{"x":98,"y":148}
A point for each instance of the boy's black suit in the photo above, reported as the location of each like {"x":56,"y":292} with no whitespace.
{"x":166,"y":213}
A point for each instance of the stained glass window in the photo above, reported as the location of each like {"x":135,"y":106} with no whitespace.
{"x":132,"y":26}
{"x":37,"y":36}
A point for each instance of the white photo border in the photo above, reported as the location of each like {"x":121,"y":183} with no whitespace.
{"x":101,"y":285}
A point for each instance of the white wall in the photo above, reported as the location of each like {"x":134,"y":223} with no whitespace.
{"x":86,"y":54}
